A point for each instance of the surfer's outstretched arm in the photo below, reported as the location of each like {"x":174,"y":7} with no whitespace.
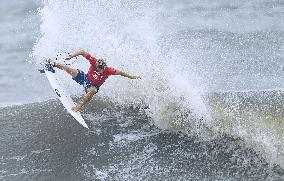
{"x":77,"y":53}
{"x":124,"y":74}
{"x":87,"y":98}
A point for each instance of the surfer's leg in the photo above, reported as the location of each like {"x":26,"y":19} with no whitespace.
{"x":89,"y":95}
{"x":69,"y":70}
{"x":92,"y":90}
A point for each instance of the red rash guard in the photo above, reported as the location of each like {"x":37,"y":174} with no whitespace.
{"x":94,"y":76}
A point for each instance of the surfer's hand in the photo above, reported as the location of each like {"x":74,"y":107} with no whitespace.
{"x":68,"y":58}
{"x":136,"y":77}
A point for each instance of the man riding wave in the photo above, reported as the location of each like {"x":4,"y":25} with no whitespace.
{"x":96,"y":76}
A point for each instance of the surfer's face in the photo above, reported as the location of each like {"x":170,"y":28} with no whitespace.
{"x":101,"y":70}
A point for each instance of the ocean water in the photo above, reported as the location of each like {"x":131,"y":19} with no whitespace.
{"x":19,"y":79}
{"x":209,"y":105}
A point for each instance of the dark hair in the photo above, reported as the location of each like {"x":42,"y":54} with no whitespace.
{"x":101,"y":63}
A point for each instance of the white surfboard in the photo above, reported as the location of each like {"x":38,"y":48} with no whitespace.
{"x":63,"y":95}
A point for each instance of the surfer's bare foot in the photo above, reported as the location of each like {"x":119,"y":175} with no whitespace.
{"x":76,"y":109}
{"x":51,"y":62}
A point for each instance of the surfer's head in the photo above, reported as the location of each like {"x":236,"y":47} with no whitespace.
{"x":101,"y":65}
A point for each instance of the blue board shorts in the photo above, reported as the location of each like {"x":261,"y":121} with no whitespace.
{"x":83,"y":80}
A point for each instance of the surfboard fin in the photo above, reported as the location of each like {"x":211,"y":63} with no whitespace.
{"x":42,"y":71}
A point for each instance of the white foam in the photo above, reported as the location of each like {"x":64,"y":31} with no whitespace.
{"x":129,"y":39}
{"x":127,"y":33}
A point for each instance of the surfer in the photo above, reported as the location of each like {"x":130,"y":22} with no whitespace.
{"x":96,"y":76}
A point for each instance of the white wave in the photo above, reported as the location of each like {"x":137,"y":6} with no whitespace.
{"x":129,"y":34}
{"x":129,"y":39}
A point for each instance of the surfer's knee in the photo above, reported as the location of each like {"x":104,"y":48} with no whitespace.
{"x":71,"y":71}
{"x":93,"y":90}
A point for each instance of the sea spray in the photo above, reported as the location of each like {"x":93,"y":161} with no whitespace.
{"x":180,"y":56}
{"x":253,"y":117}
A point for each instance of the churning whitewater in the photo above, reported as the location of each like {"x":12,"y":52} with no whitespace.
{"x":209,"y":105}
